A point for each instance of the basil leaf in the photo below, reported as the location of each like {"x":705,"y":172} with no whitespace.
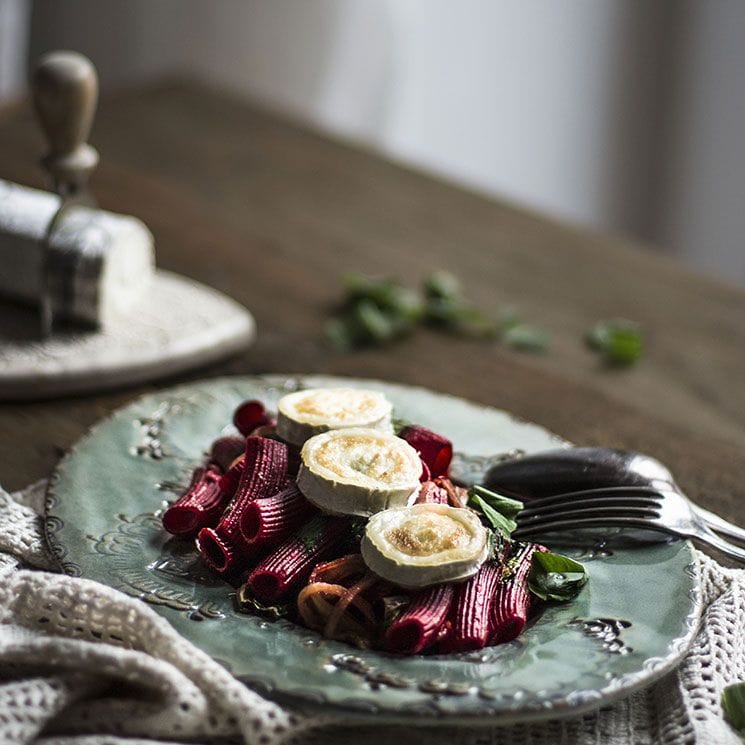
{"x":377,"y":310}
{"x":555,"y":577}
{"x":376,"y":324}
{"x":403,"y":303}
{"x":619,"y":341}
{"x":505,"y":505}
{"x":247,"y":603}
{"x":733,"y":705}
{"x":360,"y":287}
{"x":455,"y":315}
{"x":507,"y":318}
{"x":526,"y":338}
{"x":442,"y":285}
{"x":399,"y":425}
{"x":503,"y":525}
{"x":393,"y":606}
{"x":385,"y":294}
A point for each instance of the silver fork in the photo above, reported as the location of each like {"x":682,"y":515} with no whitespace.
{"x":568,"y":470}
{"x":711,"y":519}
{"x":659,"y":510}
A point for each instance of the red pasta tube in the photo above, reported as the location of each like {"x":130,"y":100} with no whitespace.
{"x":249,"y":416}
{"x":435,"y":450}
{"x":264,"y":474}
{"x":512,"y":598}
{"x":419,"y":626}
{"x":268,"y":521}
{"x":225,"y":450}
{"x":200,"y":506}
{"x":290,"y":565}
{"x":232,"y":476}
{"x":472,"y":608}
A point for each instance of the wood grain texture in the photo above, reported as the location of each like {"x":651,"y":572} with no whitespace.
{"x":272,"y":214}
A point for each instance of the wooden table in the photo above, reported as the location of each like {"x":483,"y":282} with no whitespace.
{"x":273,"y":214}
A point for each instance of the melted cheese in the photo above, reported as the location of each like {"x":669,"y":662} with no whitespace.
{"x":425,"y":544}
{"x":424,"y":535}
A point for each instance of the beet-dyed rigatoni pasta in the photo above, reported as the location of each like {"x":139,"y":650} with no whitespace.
{"x":472,"y":608}
{"x":200,"y":506}
{"x":264,"y":474}
{"x":512,"y":597}
{"x":366,"y":540}
{"x":269,"y":520}
{"x":419,"y":626}
{"x":289,"y":566}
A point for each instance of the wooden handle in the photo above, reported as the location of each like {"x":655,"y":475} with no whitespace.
{"x":65,"y":92}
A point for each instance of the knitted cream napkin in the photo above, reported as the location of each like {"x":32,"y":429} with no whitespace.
{"x":83,"y":664}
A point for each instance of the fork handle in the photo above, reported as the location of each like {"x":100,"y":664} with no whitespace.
{"x":710,"y":538}
{"x":720,"y":524}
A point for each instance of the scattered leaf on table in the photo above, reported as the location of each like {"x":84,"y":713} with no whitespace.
{"x":526,"y":338}
{"x":619,"y":341}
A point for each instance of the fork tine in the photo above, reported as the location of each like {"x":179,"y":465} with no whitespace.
{"x":610,"y":492}
{"x":617,"y":503}
{"x":586,"y":513}
{"x":593,"y":522}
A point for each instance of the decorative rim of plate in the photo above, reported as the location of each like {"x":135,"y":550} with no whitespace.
{"x":488,"y":713}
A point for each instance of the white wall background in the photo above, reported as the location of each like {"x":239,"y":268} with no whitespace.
{"x":702,"y":178}
{"x":520,"y":99}
{"x":14,"y":17}
{"x":624,"y":115}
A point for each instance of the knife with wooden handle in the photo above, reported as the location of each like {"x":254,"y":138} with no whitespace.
{"x":65,"y":93}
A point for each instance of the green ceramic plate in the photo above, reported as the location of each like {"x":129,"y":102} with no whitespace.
{"x":630,"y":624}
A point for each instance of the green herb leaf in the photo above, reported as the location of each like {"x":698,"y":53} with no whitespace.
{"x":361,"y":287}
{"x":386,"y":294}
{"x":507,"y":318}
{"x":505,"y":505}
{"x":399,"y":425}
{"x":247,"y":603}
{"x":343,"y":333}
{"x":457,"y":316}
{"x":441,"y":285}
{"x":555,"y":577}
{"x":375,"y":325}
{"x":497,"y":510}
{"x":377,"y":310}
{"x":503,"y":525}
{"x":407,"y":304}
{"x":393,"y":607}
{"x":619,"y":341}
{"x":733,"y":705}
{"x":526,"y":338}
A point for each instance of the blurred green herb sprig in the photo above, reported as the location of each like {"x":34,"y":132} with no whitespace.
{"x":376,"y":311}
{"x":618,"y":341}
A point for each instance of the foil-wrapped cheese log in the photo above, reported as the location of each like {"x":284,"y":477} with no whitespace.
{"x":95,"y":264}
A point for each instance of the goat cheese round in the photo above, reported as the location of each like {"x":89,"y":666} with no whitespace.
{"x":358,"y":471}
{"x":425,"y":544}
{"x":307,"y":413}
